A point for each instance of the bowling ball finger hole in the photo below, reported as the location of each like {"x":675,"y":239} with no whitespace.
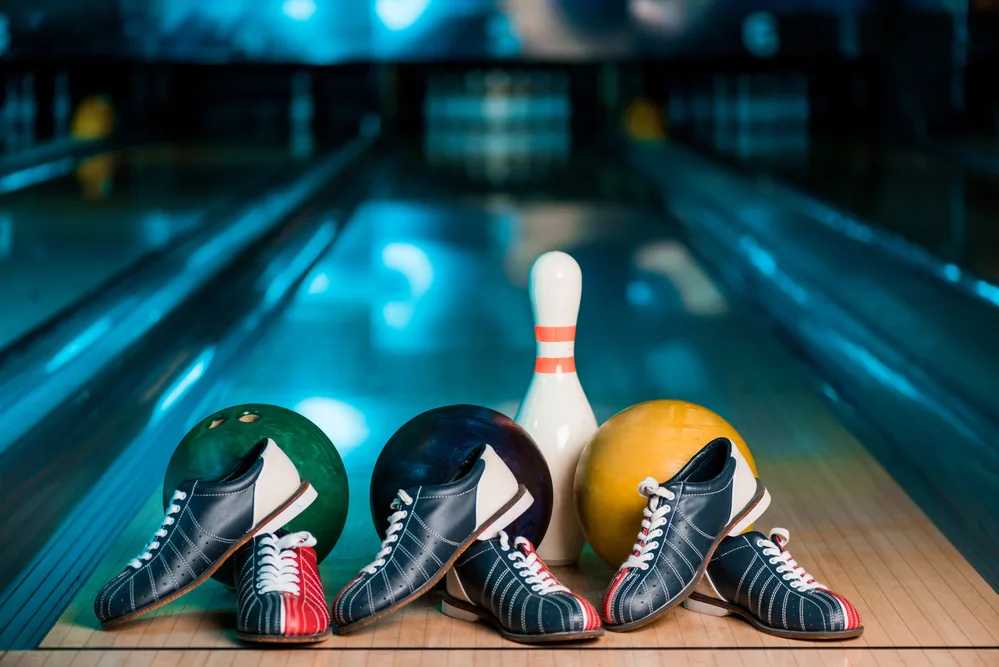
{"x":249,"y":418}
{"x":217,"y":422}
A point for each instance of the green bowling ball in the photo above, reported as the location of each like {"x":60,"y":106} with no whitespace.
{"x":216,"y":443}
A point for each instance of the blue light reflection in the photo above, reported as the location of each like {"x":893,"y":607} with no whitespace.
{"x":342,"y":423}
{"x":78,"y":344}
{"x":183,"y":384}
{"x":400,"y":14}
{"x":299,"y":10}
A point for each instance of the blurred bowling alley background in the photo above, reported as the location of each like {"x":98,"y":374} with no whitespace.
{"x":785,"y":212}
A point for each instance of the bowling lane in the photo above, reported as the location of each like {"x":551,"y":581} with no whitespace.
{"x":935,"y":202}
{"x":422,"y":302}
{"x":63,"y":238}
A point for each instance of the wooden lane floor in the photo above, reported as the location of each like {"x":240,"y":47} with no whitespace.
{"x":851,"y":525}
{"x":489,"y":657}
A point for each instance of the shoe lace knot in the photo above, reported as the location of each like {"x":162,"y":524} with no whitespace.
{"x":531,"y":568}
{"x":278,"y":568}
{"x":395,"y":519}
{"x":655,"y":518}
{"x":154,"y":543}
{"x":794,"y":574}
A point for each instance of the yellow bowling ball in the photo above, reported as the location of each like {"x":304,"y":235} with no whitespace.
{"x":653,"y":439}
{"x":95,"y":176}
{"x":643,"y":121}
{"x":92,"y":120}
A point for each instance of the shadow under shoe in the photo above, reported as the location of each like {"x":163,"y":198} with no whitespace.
{"x":756,"y":579}
{"x":279,"y":592}
{"x":715,"y":494}
{"x":429,"y":528}
{"x":509,"y":586}
{"x":206,"y":522}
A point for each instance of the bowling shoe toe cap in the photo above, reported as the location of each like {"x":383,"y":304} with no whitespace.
{"x":125,"y":594}
{"x":574,"y":615}
{"x":259,"y":614}
{"x":632,"y":597}
{"x":354,"y":603}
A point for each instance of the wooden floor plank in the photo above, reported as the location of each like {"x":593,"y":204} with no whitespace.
{"x":564,"y":657}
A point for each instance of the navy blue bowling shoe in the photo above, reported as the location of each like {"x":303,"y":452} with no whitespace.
{"x":756,"y":579}
{"x":715,"y":494}
{"x":206,"y":522}
{"x":508,"y":586}
{"x":430,"y":526}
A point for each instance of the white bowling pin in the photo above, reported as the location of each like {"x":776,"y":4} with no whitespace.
{"x":555,"y":410}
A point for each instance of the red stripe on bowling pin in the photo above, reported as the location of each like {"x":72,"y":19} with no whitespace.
{"x":555,"y":349}
{"x":555,"y":334}
{"x":555,"y":365}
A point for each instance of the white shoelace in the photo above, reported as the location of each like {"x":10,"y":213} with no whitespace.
{"x":395,"y":525}
{"x":154,"y":543}
{"x":531,"y":568}
{"x":794,"y":574}
{"x":278,"y":569}
{"x":655,"y":516}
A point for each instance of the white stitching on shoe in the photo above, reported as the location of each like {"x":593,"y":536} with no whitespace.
{"x":693,"y":525}
{"x":186,"y":564}
{"x":690,"y":544}
{"x":693,"y":570}
{"x":770,"y":609}
{"x":193,"y":545}
{"x":506,"y":589}
{"x":152,"y":585}
{"x":433,"y":532}
{"x":413,"y":559}
{"x":453,"y":495}
{"x":168,"y":571}
{"x":201,"y":528}
{"x":711,"y":493}
{"x":730,"y":551}
{"x":388,"y":587}
{"x":784,"y":608}
{"x":423,"y":548}
{"x":744,"y":574}
{"x":509,"y":614}
{"x":662,"y":582}
{"x":402,"y":573}
{"x":221,"y":495}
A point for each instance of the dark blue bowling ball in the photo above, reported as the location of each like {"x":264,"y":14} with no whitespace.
{"x":428,"y":448}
